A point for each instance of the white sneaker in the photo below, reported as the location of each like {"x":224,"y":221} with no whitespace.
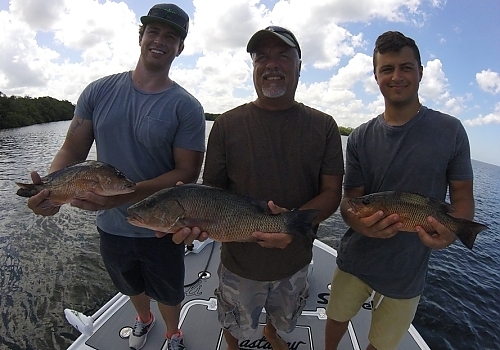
{"x":140,"y":332}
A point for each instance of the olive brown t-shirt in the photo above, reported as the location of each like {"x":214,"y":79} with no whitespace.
{"x":272,"y":155}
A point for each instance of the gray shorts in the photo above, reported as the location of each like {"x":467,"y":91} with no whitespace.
{"x":240,"y":302}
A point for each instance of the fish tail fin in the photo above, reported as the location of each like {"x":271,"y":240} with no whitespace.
{"x":468,"y":231}
{"x":26,"y":190}
{"x":300,"y":222}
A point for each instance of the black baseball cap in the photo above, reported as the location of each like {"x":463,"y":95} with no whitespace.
{"x":170,"y":14}
{"x":280,"y":32}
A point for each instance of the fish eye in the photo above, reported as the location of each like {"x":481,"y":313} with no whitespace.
{"x":120,"y":175}
{"x":365,"y":201}
{"x":150,"y":203}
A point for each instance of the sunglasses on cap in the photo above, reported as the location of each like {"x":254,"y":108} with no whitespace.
{"x":169,"y":15}
{"x":284,"y":34}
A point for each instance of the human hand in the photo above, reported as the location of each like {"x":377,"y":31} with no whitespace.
{"x":39,"y":203}
{"x":93,"y":202}
{"x":441,"y":238}
{"x":273,"y":240}
{"x":186,"y":235}
{"x":275,"y":209}
{"x":376,"y":225}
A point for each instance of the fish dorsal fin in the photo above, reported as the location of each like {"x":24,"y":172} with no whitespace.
{"x":261,"y":205}
{"x":418,"y":199}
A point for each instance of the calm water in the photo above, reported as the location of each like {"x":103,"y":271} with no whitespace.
{"x":47,"y":264}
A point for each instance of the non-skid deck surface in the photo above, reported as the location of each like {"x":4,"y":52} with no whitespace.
{"x":199,"y":316}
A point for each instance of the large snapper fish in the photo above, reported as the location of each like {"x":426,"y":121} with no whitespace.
{"x":413,"y":210}
{"x":74,"y":180}
{"x":225,"y":216}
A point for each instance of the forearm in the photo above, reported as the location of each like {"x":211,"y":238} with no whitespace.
{"x":462,"y":199}
{"x":64,"y":158}
{"x":327,"y":201}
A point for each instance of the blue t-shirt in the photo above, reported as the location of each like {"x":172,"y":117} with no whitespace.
{"x":136,"y":132}
{"x":421,"y":156}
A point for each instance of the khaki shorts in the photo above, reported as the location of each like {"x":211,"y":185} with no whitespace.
{"x":391,"y":318}
{"x":240,"y":302}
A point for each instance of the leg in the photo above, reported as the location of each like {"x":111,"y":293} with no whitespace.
{"x":273,"y":338}
{"x":232,"y":342}
{"x":141,"y":305}
{"x":390,"y":321}
{"x":143,"y":323}
{"x":334,"y":331}
{"x":285,"y":301}
{"x":239,"y":305}
{"x":347,"y":295}
{"x":170,"y":315}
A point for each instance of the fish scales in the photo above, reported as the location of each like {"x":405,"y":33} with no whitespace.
{"x":413,"y":210}
{"x":74,"y":180}
{"x":240,"y":218}
{"x":225,"y":216}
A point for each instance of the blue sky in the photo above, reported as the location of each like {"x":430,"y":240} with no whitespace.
{"x":55,"y":48}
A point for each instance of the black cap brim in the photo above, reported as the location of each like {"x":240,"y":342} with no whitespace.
{"x":149,"y":19}
{"x":264,"y":33}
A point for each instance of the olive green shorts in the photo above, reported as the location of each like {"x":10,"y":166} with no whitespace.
{"x":391,"y":318}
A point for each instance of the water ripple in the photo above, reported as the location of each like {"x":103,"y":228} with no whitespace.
{"x":48,"y":264}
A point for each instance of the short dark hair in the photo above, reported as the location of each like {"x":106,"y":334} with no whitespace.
{"x":393,"y":41}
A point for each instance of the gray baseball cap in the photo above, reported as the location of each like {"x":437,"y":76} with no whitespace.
{"x":280,"y":32}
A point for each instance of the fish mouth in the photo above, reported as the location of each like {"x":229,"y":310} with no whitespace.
{"x":129,"y":189}
{"x":354,"y":206}
{"x":135,"y":219}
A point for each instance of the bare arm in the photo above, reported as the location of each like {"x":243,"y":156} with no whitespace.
{"x":187,"y":169}
{"x":328,"y":200}
{"x":77,"y":144}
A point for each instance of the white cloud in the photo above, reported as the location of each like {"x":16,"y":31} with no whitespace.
{"x":77,"y":42}
{"x":37,"y":14}
{"x":85,"y":45}
{"x":22,"y":62}
{"x":491,"y":118}
{"x":489,"y":81}
{"x":434,"y":90}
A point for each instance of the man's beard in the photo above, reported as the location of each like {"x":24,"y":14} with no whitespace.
{"x":273,"y":91}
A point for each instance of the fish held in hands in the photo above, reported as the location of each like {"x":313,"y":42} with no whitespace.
{"x":413,"y":210}
{"x":225,"y":216}
{"x":75,"y":180}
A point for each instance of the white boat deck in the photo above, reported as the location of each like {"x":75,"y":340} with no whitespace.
{"x":199,"y":316}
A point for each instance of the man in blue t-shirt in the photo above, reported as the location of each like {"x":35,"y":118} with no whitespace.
{"x":408,"y":148}
{"x":153,"y":130}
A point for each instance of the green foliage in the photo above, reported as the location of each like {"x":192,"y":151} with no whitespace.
{"x":16,"y":111}
{"x":345,"y":131}
{"x":211,"y":116}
